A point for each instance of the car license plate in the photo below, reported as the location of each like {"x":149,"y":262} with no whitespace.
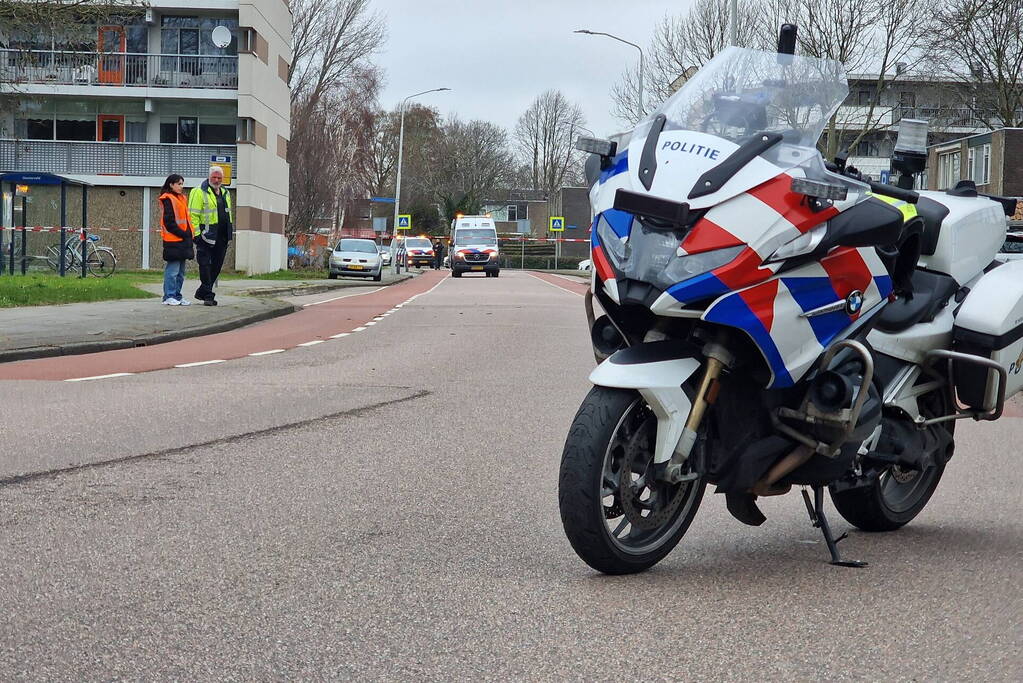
{"x":477,"y":267}
{"x":355,"y":267}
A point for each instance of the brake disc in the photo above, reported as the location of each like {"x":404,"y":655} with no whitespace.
{"x":638,"y":459}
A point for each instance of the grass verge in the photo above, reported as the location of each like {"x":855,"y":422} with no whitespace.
{"x":41,"y":290}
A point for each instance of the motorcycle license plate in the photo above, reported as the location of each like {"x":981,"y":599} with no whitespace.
{"x":354,"y":267}
{"x":477,"y":267}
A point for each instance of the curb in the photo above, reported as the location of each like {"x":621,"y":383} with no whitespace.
{"x":300,"y":290}
{"x":76,"y":348}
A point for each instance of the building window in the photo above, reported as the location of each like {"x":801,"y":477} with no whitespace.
{"x":948,"y":169}
{"x":980,"y":164}
{"x":247,"y":40}
{"x":907,"y":99}
{"x":513,"y":212}
{"x":188,"y":130}
{"x":863,"y":98}
{"x":76,"y":129}
{"x":246,"y":130}
{"x":216,"y":133}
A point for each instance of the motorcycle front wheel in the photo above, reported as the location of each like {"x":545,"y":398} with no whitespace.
{"x":619,"y":518}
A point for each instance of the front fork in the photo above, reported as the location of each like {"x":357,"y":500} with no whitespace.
{"x":717,"y":360}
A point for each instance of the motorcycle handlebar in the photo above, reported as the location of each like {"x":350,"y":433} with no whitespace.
{"x":894,"y":192}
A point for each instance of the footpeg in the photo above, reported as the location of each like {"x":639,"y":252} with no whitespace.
{"x":744,"y":508}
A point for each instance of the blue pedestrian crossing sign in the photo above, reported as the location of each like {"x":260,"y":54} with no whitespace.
{"x":557,"y":224}
{"x":405,"y":222}
{"x":885,"y":176}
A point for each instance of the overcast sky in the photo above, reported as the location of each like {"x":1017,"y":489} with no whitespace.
{"x":497,"y":55}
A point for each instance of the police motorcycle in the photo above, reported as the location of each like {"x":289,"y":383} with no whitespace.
{"x":775,"y":321}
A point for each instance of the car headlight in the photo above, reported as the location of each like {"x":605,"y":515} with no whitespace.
{"x":459,"y":256}
{"x":803,"y":244}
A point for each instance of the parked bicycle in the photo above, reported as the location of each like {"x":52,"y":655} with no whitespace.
{"x":100,"y":261}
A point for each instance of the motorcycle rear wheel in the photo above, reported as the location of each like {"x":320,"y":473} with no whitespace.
{"x":607,"y":475}
{"x":896,"y":496}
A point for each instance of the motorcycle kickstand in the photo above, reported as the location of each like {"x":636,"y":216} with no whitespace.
{"x":817,"y":518}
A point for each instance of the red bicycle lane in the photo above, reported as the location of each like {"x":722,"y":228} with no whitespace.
{"x":311,"y":324}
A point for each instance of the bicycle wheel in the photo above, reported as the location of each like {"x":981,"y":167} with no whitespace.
{"x":102,"y":262}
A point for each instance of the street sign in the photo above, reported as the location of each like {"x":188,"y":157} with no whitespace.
{"x":885,"y":176}
{"x":383,"y":200}
{"x":223,"y":162}
{"x":405,"y":221}
{"x":557,"y":224}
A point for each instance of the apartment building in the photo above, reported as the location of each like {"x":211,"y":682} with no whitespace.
{"x":937,"y":101}
{"x":992,"y":160}
{"x":123,"y":102}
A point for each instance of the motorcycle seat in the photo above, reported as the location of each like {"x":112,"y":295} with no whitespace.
{"x":932,"y":214}
{"x":931,"y":292}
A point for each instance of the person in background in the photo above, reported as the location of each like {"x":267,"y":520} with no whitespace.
{"x":213,"y":218}
{"x":176,"y":230}
{"x":438,"y":254}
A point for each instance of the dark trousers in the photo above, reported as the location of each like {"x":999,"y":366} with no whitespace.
{"x":210,"y":258}
{"x":438,"y":259}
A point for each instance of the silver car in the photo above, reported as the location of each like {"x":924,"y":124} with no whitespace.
{"x":385,"y":254}
{"x":355,"y":258}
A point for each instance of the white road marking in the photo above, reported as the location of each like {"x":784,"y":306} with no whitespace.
{"x":267,"y":353}
{"x":312,"y":343}
{"x":198,"y":363}
{"x":343,"y":296}
{"x":561,"y":289}
{"x":358,"y":329}
{"x":338,"y":336}
{"x":370,"y":323}
{"x":86,"y":379}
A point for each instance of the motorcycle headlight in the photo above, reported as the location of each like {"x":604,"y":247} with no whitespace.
{"x":803,"y":244}
{"x":685,"y":267}
{"x":617,"y":251}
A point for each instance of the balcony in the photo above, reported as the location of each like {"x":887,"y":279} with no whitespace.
{"x":109,"y":158}
{"x":119,"y":69}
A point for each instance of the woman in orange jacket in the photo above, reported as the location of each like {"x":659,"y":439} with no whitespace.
{"x":176,"y":230}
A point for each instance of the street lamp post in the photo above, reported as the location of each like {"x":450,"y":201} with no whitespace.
{"x":401,"y":141}
{"x":639,"y":101}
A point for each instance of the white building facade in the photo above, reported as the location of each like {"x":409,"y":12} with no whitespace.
{"x":123,"y":102}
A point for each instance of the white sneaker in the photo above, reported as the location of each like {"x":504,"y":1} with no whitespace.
{"x":185,"y":302}
{"x":172,"y":302}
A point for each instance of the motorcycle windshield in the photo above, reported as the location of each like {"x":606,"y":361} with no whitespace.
{"x":741,"y":92}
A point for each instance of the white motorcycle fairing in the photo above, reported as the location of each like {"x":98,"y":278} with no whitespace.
{"x":656,"y":371}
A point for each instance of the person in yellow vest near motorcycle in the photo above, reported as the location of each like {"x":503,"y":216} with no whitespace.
{"x":213,"y":218}
{"x":176,"y":230}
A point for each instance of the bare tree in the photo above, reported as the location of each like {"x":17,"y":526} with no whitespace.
{"x":470,"y":161}
{"x":326,"y":158}
{"x":681,"y":45}
{"x":334,"y":86}
{"x":544,"y":136}
{"x":979,"y":43}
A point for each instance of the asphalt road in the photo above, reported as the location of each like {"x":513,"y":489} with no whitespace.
{"x":383,"y":506}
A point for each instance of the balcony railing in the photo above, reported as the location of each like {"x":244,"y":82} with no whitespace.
{"x":119,"y":69}
{"x":113,"y":158}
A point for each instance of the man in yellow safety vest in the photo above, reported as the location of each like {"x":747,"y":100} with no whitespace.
{"x":213,"y":221}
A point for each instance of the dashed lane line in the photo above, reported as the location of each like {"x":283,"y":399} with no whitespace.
{"x":198,"y":363}
{"x":269,"y":352}
{"x":343,"y":296}
{"x":110,"y":376}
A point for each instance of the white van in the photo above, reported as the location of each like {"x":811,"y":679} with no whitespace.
{"x":474,"y":246}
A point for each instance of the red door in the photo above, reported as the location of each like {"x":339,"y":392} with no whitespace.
{"x":111,"y":45}
{"x":110,"y":128}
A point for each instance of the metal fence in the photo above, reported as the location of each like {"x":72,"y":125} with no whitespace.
{"x":117,"y":158}
{"x":119,"y":69}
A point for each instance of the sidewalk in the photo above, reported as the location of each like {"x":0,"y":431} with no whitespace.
{"x":43,"y":331}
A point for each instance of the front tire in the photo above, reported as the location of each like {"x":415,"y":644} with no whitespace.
{"x":607,"y":491}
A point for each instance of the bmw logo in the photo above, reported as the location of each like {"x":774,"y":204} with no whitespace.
{"x":854,"y":302}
